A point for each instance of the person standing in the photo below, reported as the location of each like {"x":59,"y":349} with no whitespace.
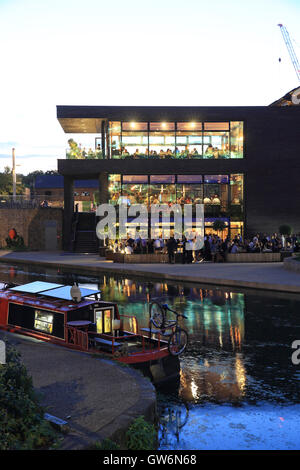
{"x":171,"y":247}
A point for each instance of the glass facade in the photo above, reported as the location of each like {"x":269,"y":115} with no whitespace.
{"x":169,"y":140}
{"x":222,"y":195}
{"x":84,"y":146}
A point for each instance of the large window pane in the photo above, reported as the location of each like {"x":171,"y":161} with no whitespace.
{"x":236,"y":196}
{"x":162,"y":179}
{"x":216,"y":126}
{"x":236,"y":140}
{"x":135,"y":193}
{"x":216,"y":179}
{"x":162,"y":126}
{"x":216,"y":145}
{"x":189,"y":193}
{"x":135,"y":144}
{"x":162,"y":144}
{"x":141,"y":179}
{"x":215,"y":199}
{"x":114,"y":188}
{"x":134,"y":126}
{"x":188,"y":144}
{"x":114,"y":139}
{"x":189,"y":179}
{"x":189,"y":126}
{"x":162,"y":194}
{"x":84,"y":146}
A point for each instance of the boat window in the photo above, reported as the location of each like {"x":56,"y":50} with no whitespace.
{"x":43,"y":321}
{"x":103,"y":320}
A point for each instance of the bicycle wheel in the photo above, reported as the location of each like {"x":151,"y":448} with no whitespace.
{"x":157,"y":314}
{"x":178,"y":342}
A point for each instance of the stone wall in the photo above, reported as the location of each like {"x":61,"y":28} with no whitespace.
{"x":41,"y":228}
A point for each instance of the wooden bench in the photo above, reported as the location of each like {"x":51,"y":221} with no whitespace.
{"x":105,"y":343}
{"x":137,"y":258}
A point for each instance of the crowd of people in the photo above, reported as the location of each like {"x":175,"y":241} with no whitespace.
{"x":214,"y":248}
{"x":183,"y":152}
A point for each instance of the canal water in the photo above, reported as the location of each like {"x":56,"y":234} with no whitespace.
{"x":238,"y":387}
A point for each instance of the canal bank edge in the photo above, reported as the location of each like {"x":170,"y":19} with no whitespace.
{"x":266,"y":276}
{"x":116,"y":430}
{"x":98,"y":398}
{"x":292,"y":264}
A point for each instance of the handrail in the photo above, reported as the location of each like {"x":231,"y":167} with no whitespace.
{"x":131,"y":317}
{"x":74,"y":227}
{"x":76,"y":337}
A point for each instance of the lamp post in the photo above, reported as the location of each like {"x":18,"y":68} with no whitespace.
{"x":14,"y":174}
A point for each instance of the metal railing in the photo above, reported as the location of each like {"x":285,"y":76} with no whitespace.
{"x":29,"y":202}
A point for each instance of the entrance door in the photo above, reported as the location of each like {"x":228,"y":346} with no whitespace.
{"x":50,"y":235}
{"x":103,"y":320}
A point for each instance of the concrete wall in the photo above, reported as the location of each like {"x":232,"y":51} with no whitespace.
{"x":38,"y":227}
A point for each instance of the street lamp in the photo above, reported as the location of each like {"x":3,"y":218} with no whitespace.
{"x":14,"y":174}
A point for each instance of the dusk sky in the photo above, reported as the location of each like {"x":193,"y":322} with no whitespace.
{"x":160,"y":52}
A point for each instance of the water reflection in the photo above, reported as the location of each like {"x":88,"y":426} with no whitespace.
{"x":240,"y":341}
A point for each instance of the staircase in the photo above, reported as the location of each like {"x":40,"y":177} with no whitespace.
{"x":86,"y":240}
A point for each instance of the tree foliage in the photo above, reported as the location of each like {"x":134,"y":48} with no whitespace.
{"x":6,"y":182}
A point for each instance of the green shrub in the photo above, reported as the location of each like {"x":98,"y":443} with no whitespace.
{"x":17,"y":242}
{"x":141,"y":435}
{"x":285,"y":230}
{"x":106,"y":444}
{"x":21,"y":417}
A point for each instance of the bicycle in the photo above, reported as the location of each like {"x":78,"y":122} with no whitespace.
{"x":178,"y":338}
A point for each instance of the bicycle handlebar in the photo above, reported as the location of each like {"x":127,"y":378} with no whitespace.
{"x":166,"y":306}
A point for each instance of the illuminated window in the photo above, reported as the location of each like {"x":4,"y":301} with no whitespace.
{"x":43,"y":321}
{"x":216,"y":126}
{"x":103,"y":320}
{"x":114,"y":143}
{"x":189,"y":126}
{"x":114,"y":188}
{"x":134,"y":126}
{"x":236,"y":139}
{"x":162,"y":126}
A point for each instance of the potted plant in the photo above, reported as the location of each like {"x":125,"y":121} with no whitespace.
{"x":219,"y":225}
{"x":285,"y":229}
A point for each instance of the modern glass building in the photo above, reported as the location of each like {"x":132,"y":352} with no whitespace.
{"x":242,"y":163}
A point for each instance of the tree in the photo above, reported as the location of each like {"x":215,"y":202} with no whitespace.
{"x":6,"y":182}
{"x":219,"y":225}
{"x":285,"y":229}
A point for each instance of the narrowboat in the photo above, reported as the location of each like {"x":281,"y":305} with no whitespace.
{"x":79,"y":319}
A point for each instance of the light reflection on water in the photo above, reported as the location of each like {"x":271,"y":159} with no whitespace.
{"x":239,"y":353}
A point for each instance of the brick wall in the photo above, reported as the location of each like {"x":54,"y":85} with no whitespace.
{"x":31,"y":225}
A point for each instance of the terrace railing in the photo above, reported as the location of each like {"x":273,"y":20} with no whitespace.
{"x":25,"y":202}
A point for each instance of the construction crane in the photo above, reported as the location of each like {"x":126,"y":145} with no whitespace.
{"x":290,"y":49}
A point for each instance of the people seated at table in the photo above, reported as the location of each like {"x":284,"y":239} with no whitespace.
{"x":215,"y":152}
{"x":209,"y":151}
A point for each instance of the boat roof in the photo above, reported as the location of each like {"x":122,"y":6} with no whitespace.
{"x":49,"y":289}
{"x":51,"y":296}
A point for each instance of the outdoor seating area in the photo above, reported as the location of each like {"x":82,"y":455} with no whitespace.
{"x":259,"y":249}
